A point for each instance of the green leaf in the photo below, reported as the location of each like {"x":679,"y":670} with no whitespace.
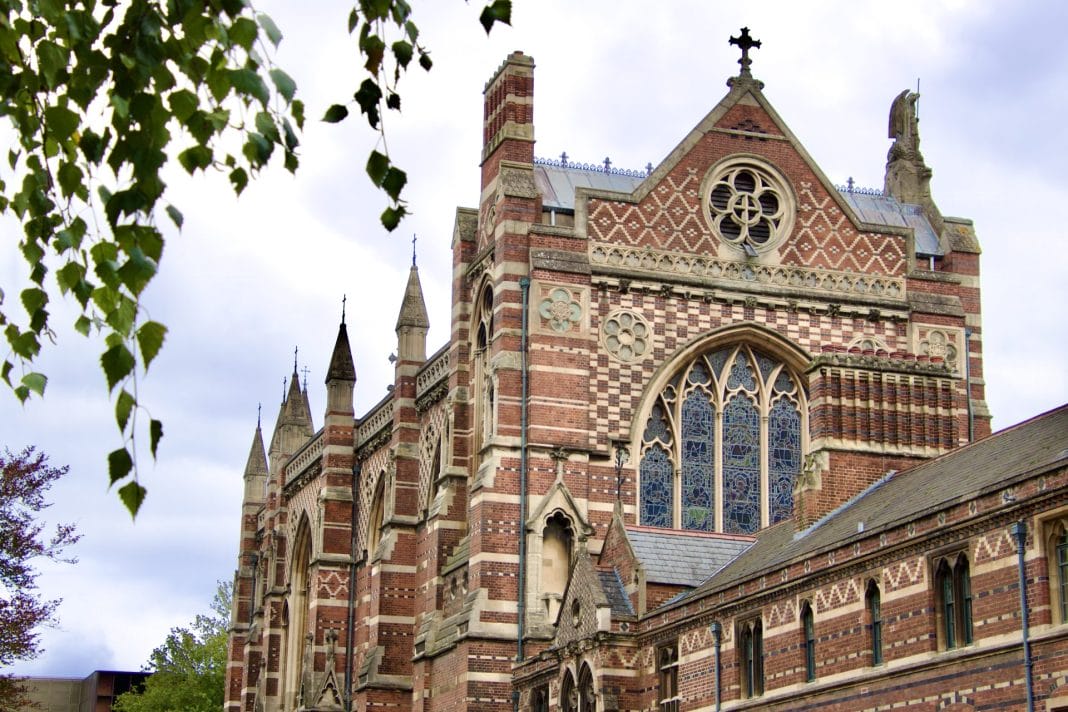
{"x":119,"y":464}
{"x":83,"y":325}
{"x":403,"y":52}
{"x":183,"y":103}
{"x":368,"y":96}
{"x":249,"y":83}
{"x":62,"y":122}
{"x":498,"y":11}
{"x":155,"y":434}
{"x":354,"y":19}
{"x":394,"y":182}
{"x":273,"y":33}
{"x":150,"y":340}
{"x":53,"y":61}
{"x":175,"y":216}
{"x":132,"y":495}
{"x":238,"y":179}
{"x":195,"y":157}
{"x":335,"y":113}
{"x":391,"y":217}
{"x":33,"y":299}
{"x":71,"y":179}
{"x":35,"y":382}
{"x":424,"y":61}
{"x":377,"y":166}
{"x":137,"y":271}
{"x":393,"y":101}
{"x":123,"y":407}
{"x":374,"y":49}
{"x":284,"y":84}
{"x":243,"y":32}
{"x":266,"y":126}
{"x":118,"y":363}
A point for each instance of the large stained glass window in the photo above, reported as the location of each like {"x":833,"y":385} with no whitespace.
{"x":722,"y":445}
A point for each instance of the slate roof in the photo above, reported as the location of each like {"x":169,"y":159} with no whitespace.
{"x":557,"y":186}
{"x":885,"y":210}
{"x":683,"y":558}
{"x":1033,"y":446}
{"x":615,"y":593}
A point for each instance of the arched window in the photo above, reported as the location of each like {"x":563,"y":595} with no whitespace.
{"x":375,"y":520}
{"x":953,"y":590}
{"x":667,"y":660}
{"x":1056,"y":548}
{"x":482,"y":376}
{"x":808,"y":632}
{"x":587,"y":696}
{"x":296,"y":614}
{"x":751,"y":657}
{"x":873,"y":604}
{"x":722,"y":445}
{"x":569,"y":694}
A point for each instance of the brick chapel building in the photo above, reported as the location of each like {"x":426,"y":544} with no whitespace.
{"x":710,"y":436}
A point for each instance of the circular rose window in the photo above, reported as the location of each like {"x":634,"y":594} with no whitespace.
{"x":749,"y":206}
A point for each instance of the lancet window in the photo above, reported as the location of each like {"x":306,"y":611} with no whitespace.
{"x":722,"y":445}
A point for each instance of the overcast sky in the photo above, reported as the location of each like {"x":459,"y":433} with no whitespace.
{"x":251,"y":278}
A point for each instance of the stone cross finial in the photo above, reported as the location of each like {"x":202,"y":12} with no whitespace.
{"x":414,"y":238}
{"x":745,"y":43}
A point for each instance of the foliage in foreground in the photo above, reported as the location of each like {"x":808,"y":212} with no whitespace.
{"x":25,"y":478}
{"x":101,"y":96}
{"x":189,"y":669}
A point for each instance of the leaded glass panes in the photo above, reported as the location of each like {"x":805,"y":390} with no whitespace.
{"x":741,"y":466}
{"x":741,"y":374}
{"x":723,"y":444}
{"x":1062,"y":569}
{"x":784,"y":458}
{"x":656,"y":428}
{"x":698,"y":448}
{"x":657,"y":492}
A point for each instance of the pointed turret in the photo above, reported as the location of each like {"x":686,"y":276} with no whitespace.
{"x":340,"y":376}
{"x":294,"y":424}
{"x":256,"y":470}
{"x":412,"y":322}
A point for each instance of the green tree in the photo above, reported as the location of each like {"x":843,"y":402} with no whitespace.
{"x":189,"y":669}
{"x":24,"y":480}
{"x":101,"y":96}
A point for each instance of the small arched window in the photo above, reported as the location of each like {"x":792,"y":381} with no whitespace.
{"x":722,"y":445}
{"x":482,"y":383}
{"x":873,"y":604}
{"x":569,"y":694}
{"x":808,"y":632}
{"x":751,"y":657}
{"x":953,"y":590}
{"x":375,"y":520}
{"x":587,"y":695}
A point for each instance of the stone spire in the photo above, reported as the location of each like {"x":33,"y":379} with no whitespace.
{"x":412,"y":322}
{"x":340,"y":377}
{"x":256,"y":469}
{"x":294,"y":424}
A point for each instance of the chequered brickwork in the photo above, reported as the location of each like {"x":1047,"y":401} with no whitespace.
{"x":617,"y":389}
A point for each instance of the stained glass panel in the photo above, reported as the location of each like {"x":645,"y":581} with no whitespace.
{"x":657,"y":490}
{"x":766,"y":366}
{"x":784,"y":458}
{"x":741,"y":374}
{"x":741,"y":466}
{"x":718,"y":359}
{"x":783,"y":382}
{"x":698,"y":459}
{"x":699,"y":374}
{"x":656,"y":427}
